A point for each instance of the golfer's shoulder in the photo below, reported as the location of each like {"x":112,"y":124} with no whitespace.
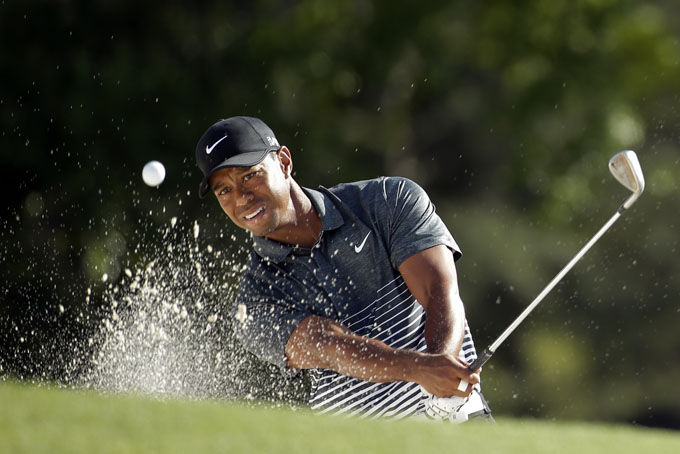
{"x":377,"y":189}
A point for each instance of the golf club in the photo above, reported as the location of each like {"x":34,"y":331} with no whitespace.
{"x":626,"y":169}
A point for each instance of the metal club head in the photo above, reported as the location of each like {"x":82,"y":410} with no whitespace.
{"x":626,"y":169}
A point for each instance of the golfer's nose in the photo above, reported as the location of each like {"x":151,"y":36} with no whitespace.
{"x":243,"y":196}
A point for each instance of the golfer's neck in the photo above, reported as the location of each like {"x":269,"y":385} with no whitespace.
{"x":304,"y":225}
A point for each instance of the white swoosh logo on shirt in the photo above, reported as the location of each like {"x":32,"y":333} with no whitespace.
{"x":209,"y":150}
{"x":358,"y":249}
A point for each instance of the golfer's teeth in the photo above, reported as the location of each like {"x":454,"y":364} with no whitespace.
{"x":250,"y":216}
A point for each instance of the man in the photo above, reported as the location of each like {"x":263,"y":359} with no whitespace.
{"x":356,"y":282}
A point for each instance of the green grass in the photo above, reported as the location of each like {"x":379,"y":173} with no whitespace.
{"x":44,"y":420}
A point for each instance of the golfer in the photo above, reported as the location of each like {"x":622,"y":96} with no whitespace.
{"x":356,"y":282}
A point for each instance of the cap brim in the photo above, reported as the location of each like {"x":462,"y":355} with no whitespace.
{"x":240,"y":160}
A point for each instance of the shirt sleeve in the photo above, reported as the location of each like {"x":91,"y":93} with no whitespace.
{"x":413,"y":222}
{"x":265,"y":315}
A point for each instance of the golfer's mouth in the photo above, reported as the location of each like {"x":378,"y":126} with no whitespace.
{"x":254,"y":214}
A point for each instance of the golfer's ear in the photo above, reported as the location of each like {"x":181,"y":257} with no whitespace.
{"x":285,"y":160}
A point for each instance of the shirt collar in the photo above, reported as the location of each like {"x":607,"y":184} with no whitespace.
{"x":331,"y":219}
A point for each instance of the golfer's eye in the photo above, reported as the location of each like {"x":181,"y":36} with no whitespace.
{"x":249,"y":176}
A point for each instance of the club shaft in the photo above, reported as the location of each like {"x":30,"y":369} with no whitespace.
{"x":554,"y":282}
{"x":490,"y":350}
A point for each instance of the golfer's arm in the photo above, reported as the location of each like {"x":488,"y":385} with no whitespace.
{"x":319,"y":342}
{"x":431,"y":277}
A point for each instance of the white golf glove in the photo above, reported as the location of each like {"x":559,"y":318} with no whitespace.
{"x":445,"y":408}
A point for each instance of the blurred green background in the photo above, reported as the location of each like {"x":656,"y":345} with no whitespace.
{"x":505,"y":112}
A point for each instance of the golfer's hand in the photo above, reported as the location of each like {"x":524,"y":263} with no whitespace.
{"x":441,"y":375}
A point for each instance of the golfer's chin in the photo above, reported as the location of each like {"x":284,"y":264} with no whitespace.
{"x":261,"y":226}
{"x":259,"y":232}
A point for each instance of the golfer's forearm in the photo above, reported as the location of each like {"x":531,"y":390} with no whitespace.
{"x":370,"y":360}
{"x":445,"y":324}
{"x":321,"y":343}
{"x":431,"y":277}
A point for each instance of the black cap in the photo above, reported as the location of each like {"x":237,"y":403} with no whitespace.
{"x":234,"y":142}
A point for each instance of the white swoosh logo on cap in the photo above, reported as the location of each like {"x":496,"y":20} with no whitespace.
{"x":358,"y":249}
{"x":209,"y":150}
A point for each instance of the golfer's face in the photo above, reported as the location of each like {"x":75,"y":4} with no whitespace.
{"x":255,"y":198}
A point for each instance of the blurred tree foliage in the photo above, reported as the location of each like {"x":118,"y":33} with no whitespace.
{"x":506,"y":112}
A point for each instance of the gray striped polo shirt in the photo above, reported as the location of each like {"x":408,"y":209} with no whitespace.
{"x":350,"y":275}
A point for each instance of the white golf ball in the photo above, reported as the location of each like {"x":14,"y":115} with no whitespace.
{"x":153,"y":173}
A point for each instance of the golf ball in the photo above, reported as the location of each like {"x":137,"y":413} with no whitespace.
{"x":153,"y":173}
